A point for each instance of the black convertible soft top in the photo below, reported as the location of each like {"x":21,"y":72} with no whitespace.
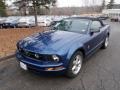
{"x":87,"y":17}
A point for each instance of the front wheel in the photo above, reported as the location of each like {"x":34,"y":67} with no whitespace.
{"x":75,"y":65}
{"x":106,"y":43}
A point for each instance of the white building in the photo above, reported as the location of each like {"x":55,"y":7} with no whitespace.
{"x":114,"y":14}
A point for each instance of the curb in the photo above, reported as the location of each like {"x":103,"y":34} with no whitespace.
{"x":7,"y":57}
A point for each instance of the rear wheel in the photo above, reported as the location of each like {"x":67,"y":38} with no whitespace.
{"x":106,"y":43}
{"x":75,"y":65}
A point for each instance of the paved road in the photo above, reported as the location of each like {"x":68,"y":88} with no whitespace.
{"x":100,"y":72}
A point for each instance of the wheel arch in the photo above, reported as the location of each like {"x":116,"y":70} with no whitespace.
{"x":72,"y":51}
{"x":81,"y":50}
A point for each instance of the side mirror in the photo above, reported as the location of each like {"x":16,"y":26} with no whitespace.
{"x":92,"y":31}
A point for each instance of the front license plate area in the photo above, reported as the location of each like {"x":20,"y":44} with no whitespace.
{"x":23,"y":66}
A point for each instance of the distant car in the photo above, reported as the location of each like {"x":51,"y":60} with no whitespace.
{"x":65,"y":48}
{"x":26,"y":22}
{"x":113,"y":14}
{"x":103,"y":17}
{"x":44,"y":22}
{"x":2,"y":19}
{"x":10,"y":22}
{"x":114,"y":19}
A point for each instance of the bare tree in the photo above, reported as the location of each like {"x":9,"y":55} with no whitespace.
{"x":42,"y":3}
{"x":23,"y":4}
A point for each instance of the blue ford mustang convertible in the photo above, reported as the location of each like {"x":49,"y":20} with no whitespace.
{"x":64,"y":47}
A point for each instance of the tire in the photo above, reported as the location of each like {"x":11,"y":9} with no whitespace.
{"x":73,"y":68}
{"x":106,"y":43}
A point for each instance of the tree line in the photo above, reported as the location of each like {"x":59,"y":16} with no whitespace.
{"x":40,"y":6}
{"x":36,"y":6}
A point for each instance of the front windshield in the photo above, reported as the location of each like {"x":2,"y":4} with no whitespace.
{"x":72,"y":25}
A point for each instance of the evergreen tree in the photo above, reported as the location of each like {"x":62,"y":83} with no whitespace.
{"x":110,"y":5}
{"x":102,"y":5}
{"x":2,"y":8}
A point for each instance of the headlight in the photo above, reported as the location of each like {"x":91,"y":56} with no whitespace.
{"x":55,"y":58}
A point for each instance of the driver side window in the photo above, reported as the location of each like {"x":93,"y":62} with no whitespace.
{"x":95,"y":26}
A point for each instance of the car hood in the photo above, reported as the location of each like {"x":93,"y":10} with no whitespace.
{"x":49,"y":41}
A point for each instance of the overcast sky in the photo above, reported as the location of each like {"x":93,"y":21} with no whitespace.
{"x":69,"y":3}
{"x":63,"y":3}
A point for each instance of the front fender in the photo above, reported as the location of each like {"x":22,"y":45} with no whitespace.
{"x":72,"y":50}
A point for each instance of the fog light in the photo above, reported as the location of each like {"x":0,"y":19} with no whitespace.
{"x":55,"y":69}
{"x":50,"y":69}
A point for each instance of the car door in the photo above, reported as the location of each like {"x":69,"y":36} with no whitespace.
{"x":95,"y":39}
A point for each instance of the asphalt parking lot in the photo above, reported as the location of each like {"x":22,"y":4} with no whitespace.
{"x":100,"y":72}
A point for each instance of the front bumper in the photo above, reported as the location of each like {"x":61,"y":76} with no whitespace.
{"x":35,"y":65}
